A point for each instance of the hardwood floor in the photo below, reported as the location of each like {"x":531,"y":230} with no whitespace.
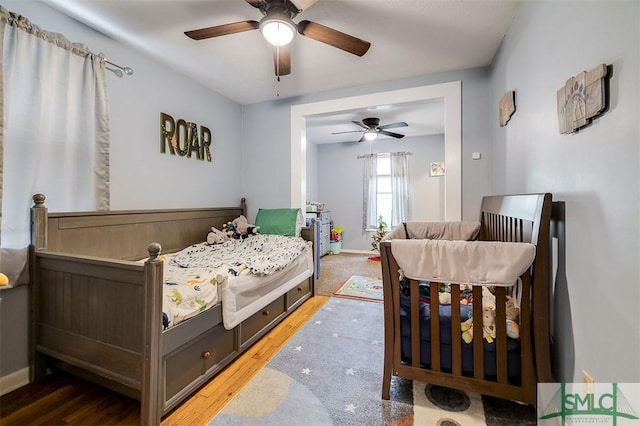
{"x":66,"y":400}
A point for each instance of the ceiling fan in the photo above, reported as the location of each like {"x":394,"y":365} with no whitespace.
{"x":278,"y":28}
{"x":372,"y":129}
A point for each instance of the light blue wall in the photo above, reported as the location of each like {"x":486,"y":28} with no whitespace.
{"x":267,"y":128}
{"x":340,"y":175}
{"x":595,"y":171}
{"x":141,"y":177}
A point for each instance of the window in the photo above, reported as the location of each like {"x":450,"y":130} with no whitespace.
{"x":386,"y":189}
{"x":383,"y":190}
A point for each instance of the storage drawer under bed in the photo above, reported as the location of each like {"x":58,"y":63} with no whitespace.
{"x":196,"y":358}
{"x":298,"y":292}
{"x":261,"y":319}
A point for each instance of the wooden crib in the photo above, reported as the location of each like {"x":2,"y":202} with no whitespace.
{"x":509,"y":218}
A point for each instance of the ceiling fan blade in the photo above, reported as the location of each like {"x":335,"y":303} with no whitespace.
{"x":333,"y":37}
{"x":393,"y":125}
{"x":302,"y":4}
{"x":394,"y":135}
{"x":350,"y":131}
{"x":360,"y":124}
{"x":220,"y":30}
{"x":362,"y":139}
{"x":282,"y":60}
{"x":255,"y":3}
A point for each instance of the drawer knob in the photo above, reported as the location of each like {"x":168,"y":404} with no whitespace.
{"x":265,"y":313}
{"x":206,"y":355}
{"x":299,"y":288}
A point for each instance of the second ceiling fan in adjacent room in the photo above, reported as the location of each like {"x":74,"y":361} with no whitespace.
{"x":372,"y":129}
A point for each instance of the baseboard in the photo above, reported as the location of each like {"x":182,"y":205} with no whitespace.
{"x":359,"y":252}
{"x":13,"y":381}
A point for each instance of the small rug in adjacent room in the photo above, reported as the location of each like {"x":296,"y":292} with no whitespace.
{"x":358,"y":287}
{"x":330,"y":373}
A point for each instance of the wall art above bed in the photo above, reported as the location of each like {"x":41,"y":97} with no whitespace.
{"x":183,"y":138}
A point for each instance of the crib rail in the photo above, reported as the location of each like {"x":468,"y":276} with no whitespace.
{"x":500,"y":384}
{"x":513,"y":218}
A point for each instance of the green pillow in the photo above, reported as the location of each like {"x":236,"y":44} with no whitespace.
{"x":287,"y":222}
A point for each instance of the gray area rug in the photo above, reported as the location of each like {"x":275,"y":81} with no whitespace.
{"x":330,"y":373}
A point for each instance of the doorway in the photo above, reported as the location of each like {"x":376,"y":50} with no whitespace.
{"x":450,"y":93}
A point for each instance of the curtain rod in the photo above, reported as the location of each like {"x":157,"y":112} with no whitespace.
{"x":120,"y":71}
{"x":378,"y":153}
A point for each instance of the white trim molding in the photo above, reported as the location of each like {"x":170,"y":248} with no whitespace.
{"x":14,"y":381}
{"x":450,"y":92}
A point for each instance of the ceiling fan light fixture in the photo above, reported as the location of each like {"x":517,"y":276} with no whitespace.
{"x":277,"y":30}
{"x":370,"y":135}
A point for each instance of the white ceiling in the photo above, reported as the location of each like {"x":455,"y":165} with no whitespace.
{"x":408,"y":38}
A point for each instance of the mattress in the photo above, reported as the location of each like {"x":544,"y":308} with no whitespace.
{"x":244,"y":275}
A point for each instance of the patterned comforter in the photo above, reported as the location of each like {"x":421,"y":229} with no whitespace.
{"x":193,"y":275}
{"x":257,"y":255}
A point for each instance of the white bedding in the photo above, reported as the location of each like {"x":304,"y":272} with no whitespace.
{"x":245,"y":275}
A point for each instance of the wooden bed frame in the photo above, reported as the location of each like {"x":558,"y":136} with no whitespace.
{"x":514,"y":218}
{"x":97,"y":311}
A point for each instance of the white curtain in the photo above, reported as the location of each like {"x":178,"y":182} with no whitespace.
{"x":400,"y":185}
{"x":56,"y":132}
{"x":370,"y":192}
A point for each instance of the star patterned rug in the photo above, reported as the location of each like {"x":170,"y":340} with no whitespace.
{"x":330,"y":373}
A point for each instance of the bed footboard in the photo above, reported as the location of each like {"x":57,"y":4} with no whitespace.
{"x":101,"y":316}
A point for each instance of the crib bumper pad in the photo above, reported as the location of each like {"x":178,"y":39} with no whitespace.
{"x":463,"y":262}
{"x":454,"y":230}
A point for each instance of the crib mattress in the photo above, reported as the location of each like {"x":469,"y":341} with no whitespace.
{"x":513,"y":345}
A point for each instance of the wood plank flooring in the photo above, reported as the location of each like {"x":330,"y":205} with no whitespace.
{"x":66,"y":400}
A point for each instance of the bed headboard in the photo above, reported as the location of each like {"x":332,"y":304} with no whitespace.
{"x":124,"y":234}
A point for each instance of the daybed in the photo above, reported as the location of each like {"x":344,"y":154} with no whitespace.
{"x":98,"y":308}
{"x":449,"y":293}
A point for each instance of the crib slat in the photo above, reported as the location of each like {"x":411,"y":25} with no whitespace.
{"x":478,"y":340}
{"x":456,"y":333}
{"x":435,"y":326}
{"x":527,"y":367}
{"x":415,"y":323}
{"x":501,"y":335}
